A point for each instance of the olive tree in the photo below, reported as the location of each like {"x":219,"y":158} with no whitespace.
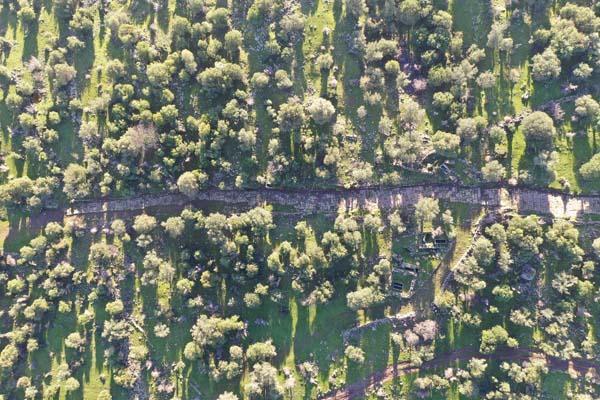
{"x":189,"y":182}
{"x":426,"y":210}
{"x":493,"y":171}
{"x":320,"y":110}
{"x":263,"y":382}
{"x":139,"y":139}
{"x":538,"y":129}
{"x":591,"y":169}
{"x":76,"y":183}
{"x":545,"y":66}
{"x":227,"y":396}
{"x":587,"y":108}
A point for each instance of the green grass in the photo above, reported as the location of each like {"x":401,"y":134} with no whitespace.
{"x":464,"y":217}
{"x":556,"y":384}
{"x":471,"y":18}
{"x":92,"y":382}
{"x":4,"y":231}
{"x":318,"y":17}
{"x":517,"y":151}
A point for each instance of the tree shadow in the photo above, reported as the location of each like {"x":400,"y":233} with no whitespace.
{"x":509,"y":154}
{"x":253,"y":37}
{"x":520,"y":32}
{"x":504,"y":96}
{"x":69,"y":147}
{"x":8,"y":19}
{"x":377,"y":346}
{"x":351,"y":69}
{"x":321,"y":328}
{"x":9,"y":141}
{"x":298,"y":70}
{"x":60,"y":327}
{"x":20,"y":231}
{"x":30,"y":44}
{"x":371,"y":243}
{"x":50,"y":336}
{"x":324,"y":83}
{"x":472,"y":18}
{"x":337,"y":9}
{"x":80,"y":251}
{"x":141,"y":11}
{"x":279,"y":329}
{"x":62,"y":24}
{"x":100,"y":317}
{"x":424,"y":295}
{"x":197,"y":383}
{"x":584,"y":147}
{"x":101,"y":18}
{"x":83,"y":62}
{"x":163,"y":18}
{"x":392,"y":100}
{"x":309,"y":6}
{"x":115,"y":50}
{"x":5,"y":21}
{"x":544,"y":91}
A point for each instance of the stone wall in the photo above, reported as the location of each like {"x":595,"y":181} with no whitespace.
{"x":330,"y":201}
{"x":399,"y":321}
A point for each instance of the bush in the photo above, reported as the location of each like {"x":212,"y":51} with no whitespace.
{"x":539,"y":129}
{"x":144,"y":224}
{"x":261,"y":351}
{"x":76,"y":184}
{"x":355,"y":354}
{"x":591,"y":169}
{"x":189,"y":183}
{"x":321,"y":110}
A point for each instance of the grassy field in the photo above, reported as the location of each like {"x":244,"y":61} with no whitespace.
{"x":301,"y":333}
{"x":473,"y":21}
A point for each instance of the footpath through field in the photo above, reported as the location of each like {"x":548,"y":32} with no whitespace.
{"x":358,"y":389}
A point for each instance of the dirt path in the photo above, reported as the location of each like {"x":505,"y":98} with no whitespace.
{"x":358,"y":389}
{"x":312,"y":201}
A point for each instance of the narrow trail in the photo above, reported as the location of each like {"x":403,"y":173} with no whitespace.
{"x":358,"y":389}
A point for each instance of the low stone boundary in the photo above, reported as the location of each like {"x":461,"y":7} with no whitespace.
{"x":330,"y":201}
{"x":397,"y":321}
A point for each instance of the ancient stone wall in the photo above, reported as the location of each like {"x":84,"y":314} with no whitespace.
{"x":330,"y":201}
